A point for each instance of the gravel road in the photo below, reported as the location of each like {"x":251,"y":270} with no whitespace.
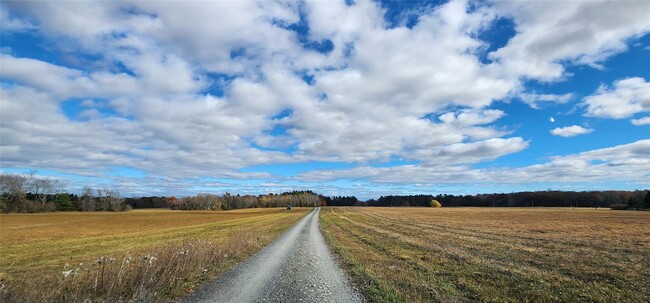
{"x":298,"y":267}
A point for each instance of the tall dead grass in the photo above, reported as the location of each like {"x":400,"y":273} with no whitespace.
{"x":160,"y":275}
{"x":493,"y":254}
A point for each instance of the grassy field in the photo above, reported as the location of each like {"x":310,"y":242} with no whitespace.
{"x":493,"y":254}
{"x":41,"y":252}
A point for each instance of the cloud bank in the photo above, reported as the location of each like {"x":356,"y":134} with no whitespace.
{"x":183,"y":92}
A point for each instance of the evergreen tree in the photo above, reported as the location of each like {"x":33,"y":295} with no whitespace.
{"x":63,"y":202}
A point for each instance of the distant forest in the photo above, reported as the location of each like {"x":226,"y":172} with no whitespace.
{"x":614,"y":199}
{"x":28,"y":193}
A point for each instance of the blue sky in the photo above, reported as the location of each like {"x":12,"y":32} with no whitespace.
{"x":364,"y":98}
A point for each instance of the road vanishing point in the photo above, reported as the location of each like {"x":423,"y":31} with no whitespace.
{"x":297,"y":267}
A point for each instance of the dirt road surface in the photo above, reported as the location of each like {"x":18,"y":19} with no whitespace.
{"x":298,"y":267}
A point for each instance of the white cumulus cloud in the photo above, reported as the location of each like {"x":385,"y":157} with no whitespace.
{"x":570,"y":131}
{"x":535,"y":100}
{"x":583,"y":32}
{"x":623,"y":99}
{"x":641,"y":121}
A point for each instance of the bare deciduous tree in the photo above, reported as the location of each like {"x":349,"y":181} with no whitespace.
{"x":15,"y":188}
{"x":87,"y":199}
{"x":110,"y":200}
{"x":40,"y":188}
{"x":58,"y":186}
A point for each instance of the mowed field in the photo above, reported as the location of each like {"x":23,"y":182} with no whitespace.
{"x":493,"y":254}
{"x":40,"y":248}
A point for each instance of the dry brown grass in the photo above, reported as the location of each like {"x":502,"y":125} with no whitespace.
{"x":152,"y":255}
{"x":493,"y":255}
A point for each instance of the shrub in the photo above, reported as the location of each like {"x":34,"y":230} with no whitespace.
{"x":435,"y":203}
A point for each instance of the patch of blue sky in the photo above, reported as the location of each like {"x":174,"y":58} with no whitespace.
{"x":8,"y":84}
{"x":406,"y":13}
{"x":33,"y":45}
{"x":496,"y":37}
{"x":119,"y":68}
{"x":238,"y":53}
{"x":39,"y":172}
{"x":301,"y":28}
{"x":348,"y":50}
{"x":324,"y":46}
{"x":29,"y":45}
{"x":72,"y":181}
{"x":73,"y":109}
{"x":219,"y":82}
{"x":283,"y":114}
{"x":305,"y":76}
{"x":293,"y":169}
{"x":278,"y":130}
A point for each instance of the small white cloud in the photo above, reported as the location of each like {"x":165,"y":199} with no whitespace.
{"x":570,"y":131}
{"x":472,"y":117}
{"x":552,"y":120}
{"x":625,"y":98}
{"x":533,"y":99}
{"x":641,"y":121}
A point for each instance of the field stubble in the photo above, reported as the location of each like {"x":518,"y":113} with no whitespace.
{"x":493,"y":255}
{"x":151,"y":255}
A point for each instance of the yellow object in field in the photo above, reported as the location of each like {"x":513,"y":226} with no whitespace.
{"x":435,"y":203}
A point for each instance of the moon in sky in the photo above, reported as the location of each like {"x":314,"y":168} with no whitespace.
{"x":552,"y":120}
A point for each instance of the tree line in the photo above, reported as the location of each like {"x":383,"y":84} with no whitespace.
{"x":639,"y":199}
{"x":29,"y":193}
{"x":228,"y":201}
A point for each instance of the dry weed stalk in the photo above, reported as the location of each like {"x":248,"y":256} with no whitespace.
{"x":163,"y":274}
